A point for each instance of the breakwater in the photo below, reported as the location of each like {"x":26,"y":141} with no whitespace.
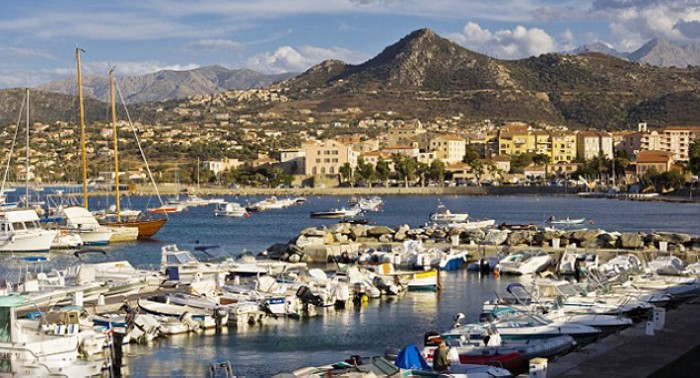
{"x":327,"y":242}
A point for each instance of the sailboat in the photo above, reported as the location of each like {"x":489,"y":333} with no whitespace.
{"x":146,"y":227}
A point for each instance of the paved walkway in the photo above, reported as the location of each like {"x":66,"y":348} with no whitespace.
{"x":632,"y":353}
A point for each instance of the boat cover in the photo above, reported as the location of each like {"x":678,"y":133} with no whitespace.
{"x":410,"y":358}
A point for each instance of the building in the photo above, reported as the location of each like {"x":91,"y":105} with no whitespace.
{"x":326,"y":157}
{"x":591,"y":144}
{"x":449,"y":148}
{"x":292,"y":161}
{"x":406,"y":150}
{"x":218,"y":166}
{"x":653,"y":161}
{"x":673,"y":139}
{"x":515,"y":141}
{"x":563,"y":146}
{"x":405,"y":133}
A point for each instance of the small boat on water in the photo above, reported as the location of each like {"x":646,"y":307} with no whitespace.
{"x":517,"y":227}
{"x":447,"y":216}
{"x":552,"y":220}
{"x":367,"y":204}
{"x":206,"y":319}
{"x":472,"y":224}
{"x":230,"y":209}
{"x":337,"y":213}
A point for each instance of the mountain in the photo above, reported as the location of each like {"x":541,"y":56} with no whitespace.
{"x":169,"y":85}
{"x":426,"y":76}
{"x":599,"y":47}
{"x":657,"y":52}
{"x":661,"y":52}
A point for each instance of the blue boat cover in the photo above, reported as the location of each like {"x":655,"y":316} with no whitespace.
{"x":410,"y":358}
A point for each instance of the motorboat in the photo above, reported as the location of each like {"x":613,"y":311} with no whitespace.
{"x":20,"y":232}
{"x":517,"y":227}
{"x":667,"y":266}
{"x":80,"y":220}
{"x":367,"y":204}
{"x":66,"y":240}
{"x":29,"y":349}
{"x":570,"y":262}
{"x":552,"y":220}
{"x":337,"y":213}
{"x":447,"y":216}
{"x":183,"y":266}
{"x":524,"y":262}
{"x":271,"y":203}
{"x":162,"y":306}
{"x":230,"y":209}
{"x":621,"y":266}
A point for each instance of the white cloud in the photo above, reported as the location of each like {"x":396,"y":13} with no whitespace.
{"x":633,"y":22}
{"x":214,"y":45}
{"x":25,"y":53}
{"x":568,"y":40}
{"x":516,"y":43}
{"x":289,"y":59}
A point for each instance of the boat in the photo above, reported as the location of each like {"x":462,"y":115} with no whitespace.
{"x":667,"y":266}
{"x":447,"y":216}
{"x":572,"y":263}
{"x":337,"y":213}
{"x":564,"y":222}
{"x":182,"y":266}
{"x":81,"y":221}
{"x":147,"y":227}
{"x":161,"y":306}
{"x":271,"y":203}
{"x":28,"y":349}
{"x":472,"y":224}
{"x":524,"y":262}
{"x":66,"y":240}
{"x":367,"y":203}
{"x":230,"y":209}
{"x":20,"y":232}
{"x":411,"y":280}
{"x":517,"y":227}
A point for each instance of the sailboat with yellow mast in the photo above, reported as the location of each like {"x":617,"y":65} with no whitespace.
{"x":146,"y":227}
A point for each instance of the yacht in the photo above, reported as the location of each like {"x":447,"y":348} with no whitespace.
{"x":230,"y":209}
{"x":20,"y":232}
{"x":80,"y":220}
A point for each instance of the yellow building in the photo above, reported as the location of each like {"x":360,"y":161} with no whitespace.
{"x":563,"y":146}
{"x":449,"y":148}
{"x":327,"y":157}
{"x":516,"y":141}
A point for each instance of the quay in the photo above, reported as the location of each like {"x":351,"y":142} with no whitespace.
{"x":673,"y":351}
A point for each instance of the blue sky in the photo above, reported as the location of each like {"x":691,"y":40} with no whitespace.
{"x":38,"y":38}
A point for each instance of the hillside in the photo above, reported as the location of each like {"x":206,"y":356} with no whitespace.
{"x":426,"y":76}
{"x":169,"y":85}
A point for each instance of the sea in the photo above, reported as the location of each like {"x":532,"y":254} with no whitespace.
{"x":283,"y":345}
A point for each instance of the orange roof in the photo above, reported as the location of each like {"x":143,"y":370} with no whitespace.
{"x":376,"y":153}
{"x":653,"y":156}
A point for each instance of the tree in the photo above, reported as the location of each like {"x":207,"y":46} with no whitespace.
{"x":541,"y":159}
{"x":436,"y":171}
{"x":364,"y":171}
{"x":422,"y":172}
{"x":383,"y":170}
{"x":405,"y":168}
{"x":670,"y":180}
{"x":470,"y":155}
{"x":345,"y":172}
{"x":694,"y":155}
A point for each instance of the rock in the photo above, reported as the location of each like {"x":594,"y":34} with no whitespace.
{"x":631,"y":240}
{"x":401,"y":233}
{"x":307,"y":259}
{"x":606,"y":240}
{"x":377,"y":231}
{"x":472,"y":235}
{"x":585,"y":235}
{"x":304,"y":240}
{"x":294,"y":258}
{"x":496,"y":237}
{"x":549,"y":235}
{"x":386,"y":238}
{"x":593,"y":244}
{"x":695,"y":244}
{"x":520,"y":237}
{"x":312,"y":231}
{"x":673,"y":238}
{"x":328,"y":239}
{"x":276,"y":250}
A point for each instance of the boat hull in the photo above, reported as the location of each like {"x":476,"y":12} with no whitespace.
{"x":147,"y":228}
{"x":30,"y":242}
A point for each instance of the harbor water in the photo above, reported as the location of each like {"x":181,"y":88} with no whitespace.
{"x":287,"y":344}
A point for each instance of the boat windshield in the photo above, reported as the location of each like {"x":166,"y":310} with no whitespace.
{"x":181,"y":258}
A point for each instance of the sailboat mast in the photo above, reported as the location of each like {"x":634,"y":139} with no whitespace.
{"x":83,"y":153}
{"x":26,"y":163}
{"x":116,"y":146}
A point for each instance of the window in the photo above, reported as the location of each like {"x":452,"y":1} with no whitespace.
{"x":331,"y":170}
{"x":314,"y":171}
{"x":323,"y":170}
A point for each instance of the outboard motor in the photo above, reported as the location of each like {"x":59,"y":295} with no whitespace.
{"x":484,"y":267}
{"x":306,"y":296}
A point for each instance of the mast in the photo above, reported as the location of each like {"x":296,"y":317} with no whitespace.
{"x":26,"y":163}
{"x":197,"y":174}
{"x":83,"y":153}
{"x":116,"y":145}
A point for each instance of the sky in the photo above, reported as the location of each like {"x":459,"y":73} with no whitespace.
{"x":38,"y":37}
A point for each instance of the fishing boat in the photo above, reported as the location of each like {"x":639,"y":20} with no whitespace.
{"x":446,"y":216}
{"x":20,"y":232}
{"x":524,"y":262}
{"x":337,"y":213}
{"x":230,"y":209}
{"x":147,"y":227}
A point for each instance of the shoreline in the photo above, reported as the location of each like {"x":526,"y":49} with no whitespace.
{"x":169,"y":189}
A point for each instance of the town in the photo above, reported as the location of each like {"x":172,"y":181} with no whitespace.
{"x":215,"y":140}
